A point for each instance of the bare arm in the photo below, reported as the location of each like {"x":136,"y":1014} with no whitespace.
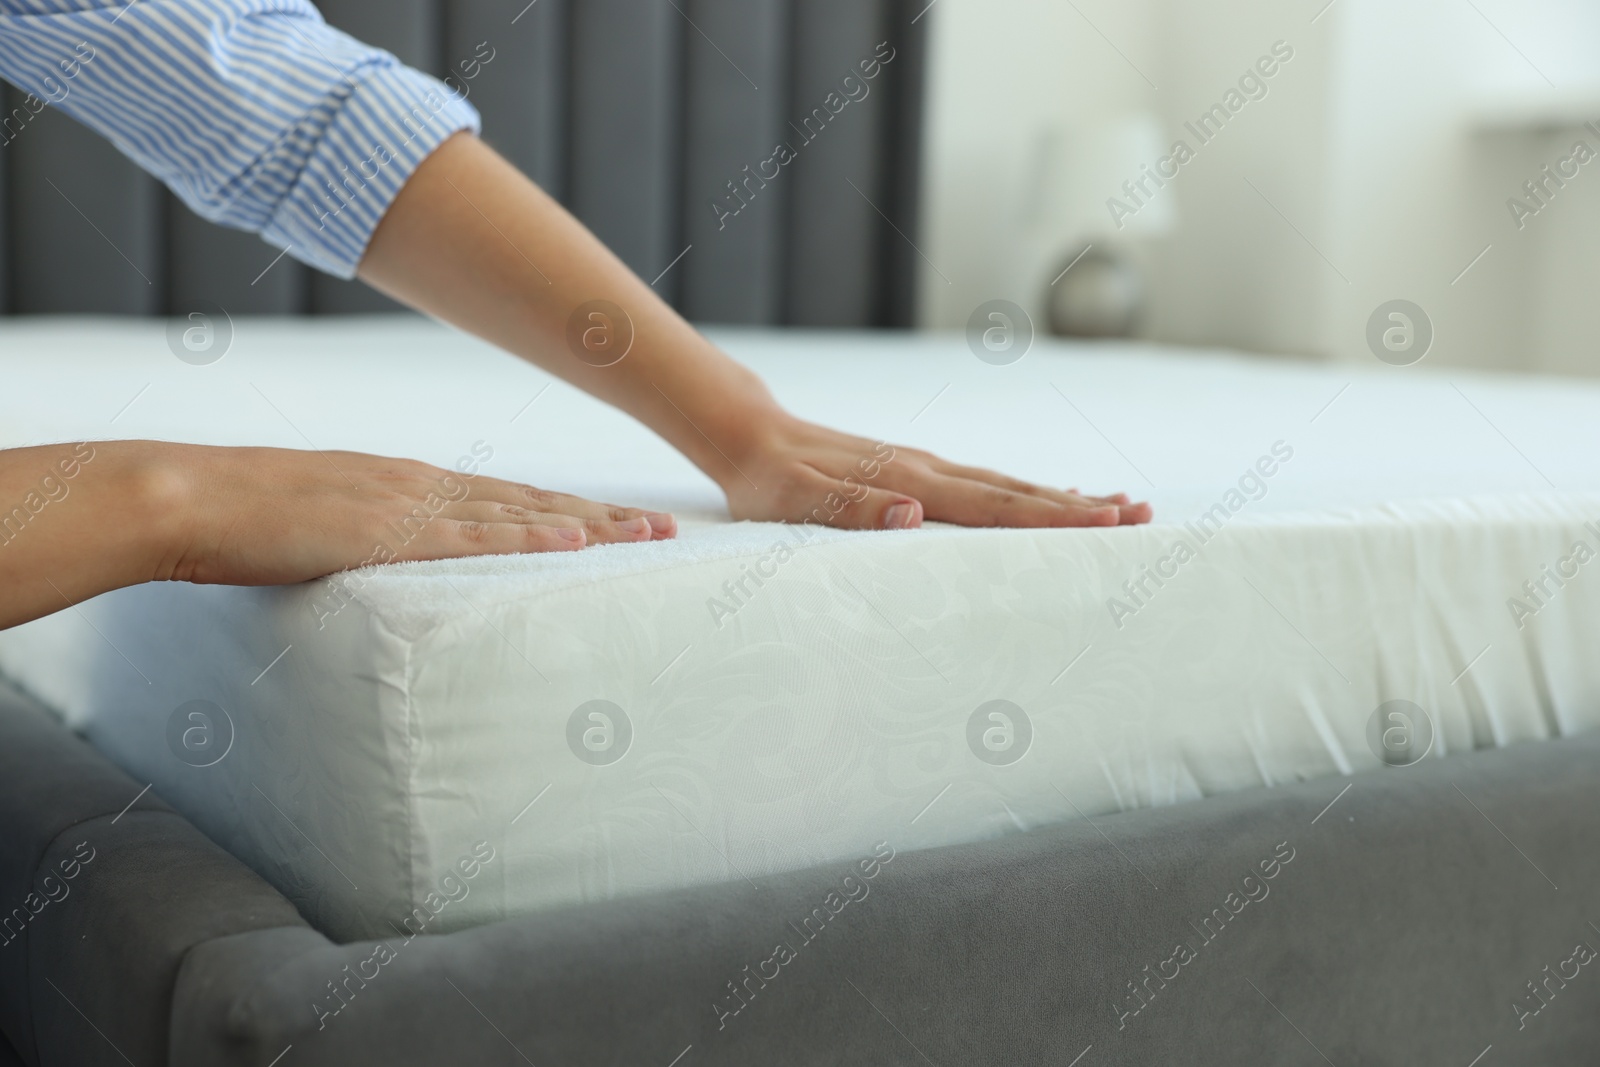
{"x":79,"y":520}
{"x":472,"y":241}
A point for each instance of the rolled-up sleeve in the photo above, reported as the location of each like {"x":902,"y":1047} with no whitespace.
{"x":256,"y":113}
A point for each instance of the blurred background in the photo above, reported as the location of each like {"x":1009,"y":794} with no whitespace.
{"x":1253,"y":174}
{"x":1377,"y":167}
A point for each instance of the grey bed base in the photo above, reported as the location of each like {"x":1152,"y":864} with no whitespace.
{"x":1429,"y":915}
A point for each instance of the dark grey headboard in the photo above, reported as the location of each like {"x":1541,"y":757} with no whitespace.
{"x":635,"y":113}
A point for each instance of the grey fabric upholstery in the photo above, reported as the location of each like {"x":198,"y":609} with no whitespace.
{"x":86,"y":226}
{"x":1415,"y":911}
{"x":51,"y":785}
{"x":635,"y":113}
{"x":902,"y":190}
{"x":5,"y":224}
{"x":523,"y":91}
{"x":88,"y":978}
{"x":212,"y":264}
{"x":1401,"y":932}
{"x":110,"y":953}
{"x":736,"y":270}
{"x":836,"y":268}
{"x":626,"y":137}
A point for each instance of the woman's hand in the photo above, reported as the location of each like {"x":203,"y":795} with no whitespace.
{"x":266,"y":516}
{"x":796,"y":471}
{"x":460,"y":241}
{"x":76,"y":521}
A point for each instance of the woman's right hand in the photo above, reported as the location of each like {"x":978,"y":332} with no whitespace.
{"x":78,"y":520}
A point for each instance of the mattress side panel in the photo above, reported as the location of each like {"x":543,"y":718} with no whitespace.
{"x":702,"y":726}
{"x":271,"y":718}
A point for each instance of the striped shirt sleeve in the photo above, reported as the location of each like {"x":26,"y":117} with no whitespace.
{"x":256,"y":113}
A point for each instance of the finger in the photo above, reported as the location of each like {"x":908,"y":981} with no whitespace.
{"x":1061,"y":496}
{"x":975,"y":503}
{"x":1114,"y":498}
{"x":1069,"y":496}
{"x":452,"y":539}
{"x":661,"y":525}
{"x":828,"y":501}
{"x":981,"y":474}
{"x":1128,"y":514}
{"x":1135,"y":514}
{"x":597,"y":531}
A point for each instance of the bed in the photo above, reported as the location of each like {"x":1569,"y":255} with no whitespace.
{"x":670,"y":745}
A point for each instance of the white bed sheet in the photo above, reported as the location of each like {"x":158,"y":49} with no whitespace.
{"x":382,"y":732}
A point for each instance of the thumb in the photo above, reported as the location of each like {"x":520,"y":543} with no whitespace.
{"x":850,"y":506}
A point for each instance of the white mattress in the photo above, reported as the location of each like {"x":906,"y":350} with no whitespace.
{"x":376,"y":746}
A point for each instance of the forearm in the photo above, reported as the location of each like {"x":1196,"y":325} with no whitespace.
{"x":75,"y":521}
{"x":473,"y":242}
{"x":80,"y":520}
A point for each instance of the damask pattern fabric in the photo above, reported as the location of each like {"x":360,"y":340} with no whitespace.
{"x":757,"y":698}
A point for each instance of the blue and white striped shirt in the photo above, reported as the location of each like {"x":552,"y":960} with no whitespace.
{"x":256,"y":113}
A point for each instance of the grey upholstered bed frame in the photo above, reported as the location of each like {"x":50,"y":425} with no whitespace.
{"x":1444,"y":913}
{"x":636,"y":113}
{"x":1431,"y":914}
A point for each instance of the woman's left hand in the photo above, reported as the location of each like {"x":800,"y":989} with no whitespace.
{"x":437,"y":251}
{"x":795,"y":471}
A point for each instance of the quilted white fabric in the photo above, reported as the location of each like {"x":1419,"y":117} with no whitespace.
{"x":755,"y":698}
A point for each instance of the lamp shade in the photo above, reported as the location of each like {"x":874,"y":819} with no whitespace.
{"x":1099,"y":178}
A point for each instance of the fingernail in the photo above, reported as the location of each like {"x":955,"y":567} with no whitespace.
{"x":634,"y":526}
{"x":569,"y":534}
{"x":661,"y":522}
{"x":900,"y":517}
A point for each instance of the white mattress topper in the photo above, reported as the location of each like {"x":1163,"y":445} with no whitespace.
{"x":632,"y":718}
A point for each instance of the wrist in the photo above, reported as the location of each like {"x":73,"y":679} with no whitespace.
{"x":745,"y":429}
{"x":722,"y":422}
{"x":156,"y":484}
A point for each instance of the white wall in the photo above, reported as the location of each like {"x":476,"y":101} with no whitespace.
{"x":1002,"y":73}
{"x":1418,"y":188}
{"x":1236,"y":272}
{"x":1560,"y":294}
{"x":1371,"y":144}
